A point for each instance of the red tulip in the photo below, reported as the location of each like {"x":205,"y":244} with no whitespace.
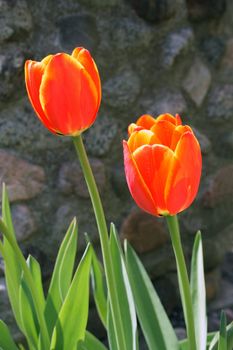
{"x":162,"y":164}
{"x":65,"y":91}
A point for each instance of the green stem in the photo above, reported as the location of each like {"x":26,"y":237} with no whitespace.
{"x":44,"y":332}
{"x":104,"y":240}
{"x":183,"y":279}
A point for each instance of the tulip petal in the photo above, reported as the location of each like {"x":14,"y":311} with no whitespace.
{"x":163,"y":130}
{"x":153,"y":163}
{"x":33,"y":76}
{"x":178,"y":132}
{"x":169,"y":118}
{"x":68,"y":95}
{"x":136,"y":184}
{"x":84,"y":57}
{"x":146,"y":121}
{"x":184,"y":175}
{"x":140,"y":138}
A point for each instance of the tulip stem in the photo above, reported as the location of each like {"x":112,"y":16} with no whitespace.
{"x":183,"y":279}
{"x":104,"y":240}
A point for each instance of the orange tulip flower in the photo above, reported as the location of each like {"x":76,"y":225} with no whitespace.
{"x":65,"y":91}
{"x":163,"y":164}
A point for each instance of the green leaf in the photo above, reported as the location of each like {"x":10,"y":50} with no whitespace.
{"x":13,"y":269}
{"x":222,"y":343}
{"x":61,"y":277}
{"x":111,"y":332}
{"x":198,"y":293}
{"x":229,"y":335}
{"x":6,"y":340}
{"x":156,"y":327}
{"x":35,"y":270}
{"x":28,"y":315}
{"x":72,"y":319}
{"x":99,"y":288}
{"x":124,"y":293}
{"x":90,"y":343}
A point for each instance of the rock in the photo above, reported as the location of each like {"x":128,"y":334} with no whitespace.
{"x":11,"y":70}
{"x":132,"y":34}
{"x":119,"y":181}
{"x":100,"y":4}
{"x":71,"y":178}
{"x":220,"y":103}
{"x":16,"y":19}
{"x":23,"y":222}
{"x":213,"y":253}
{"x":180,"y":333}
{"x":99,"y":137}
{"x":201,"y":10}
{"x":197,"y":82}
{"x":164,"y":101}
{"x":24,"y":180}
{"x":167,"y":289}
{"x":122,"y":89}
{"x":30,"y":131}
{"x":155,"y":10}
{"x":203,"y":140}
{"x":212,"y":281}
{"x":143,"y":231}
{"x":224,"y":298}
{"x":213,"y":48}
{"x":158,"y":263}
{"x":220,"y":187}
{"x":176,"y":44}
{"x":78,"y":30}
{"x":227,"y":61}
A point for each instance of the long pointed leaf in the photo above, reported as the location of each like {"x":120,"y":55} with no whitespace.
{"x":72,"y":319}
{"x":6,"y":340}
{"x":125,"y":297}
{"x":155,"y":324}
{"x":34,"y":267}
{"x":61,"y":277}
{"x":198,"y":293}
{"x":28,"y":315}
{"x":215,"y":339}
{"x":99,"y":288}
{"x":222,"y":343}
{"x":13,"y":269}
{"x":90,"y":343}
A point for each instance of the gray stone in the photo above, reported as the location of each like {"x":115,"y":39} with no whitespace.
{"x":203,"y":140}
{"x":164,"y":101}
{"x":176,"y":44}
{"x":155,"y":10}
{"x":119,"y":182}
{"x":202,"y":10}
{"x":71,"y":179}
{"x":24,"y":180}
{"x":220,"y":103}
{"x":143,"y":231}
{"x":21,"y":117}
{"x":16,"y":18}
{"x":219,"y":188}
{"x":99,"y":137}
{"x":23,"y":222}
{"x":125,"y":34}
{"x":224,"y":298}
{"x":122,"y":89}
{"x":78,"y":30}
{"x":213,"y":48}
{"x":197,"y":82}
{"x":181,"y":333}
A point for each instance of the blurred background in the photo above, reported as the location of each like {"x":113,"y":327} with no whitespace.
{"x":154,"y":56}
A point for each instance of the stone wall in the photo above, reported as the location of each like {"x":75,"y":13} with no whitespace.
{"x":153,"y":56}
